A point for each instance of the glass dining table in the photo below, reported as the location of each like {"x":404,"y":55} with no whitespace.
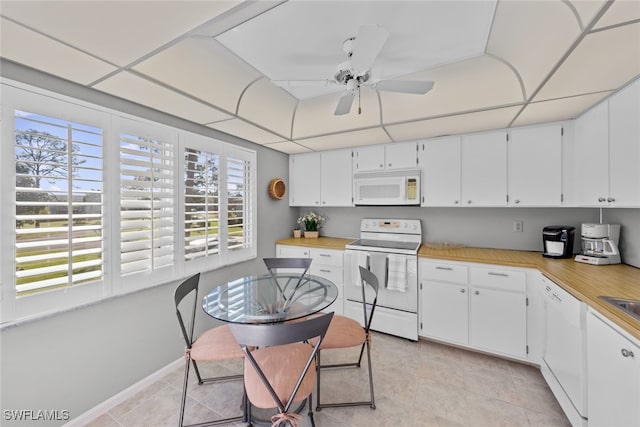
{"x":269,"y":298}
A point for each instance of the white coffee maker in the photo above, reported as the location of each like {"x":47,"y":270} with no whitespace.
{"x":599,"y":244}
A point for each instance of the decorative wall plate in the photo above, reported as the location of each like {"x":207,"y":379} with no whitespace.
{"x":277,"y":189}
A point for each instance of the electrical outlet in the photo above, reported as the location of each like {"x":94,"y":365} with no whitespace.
{"x":518,"y":226}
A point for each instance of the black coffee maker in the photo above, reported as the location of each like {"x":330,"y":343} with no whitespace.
{"x":557,"y":241}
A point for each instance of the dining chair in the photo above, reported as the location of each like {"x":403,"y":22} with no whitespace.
{"x":214,"y":344}
{"x":345,"y":332}
{"x":299,"y":265}
{"x":279,"y":368}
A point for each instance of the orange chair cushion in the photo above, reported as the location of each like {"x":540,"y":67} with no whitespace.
{"x":282,"y":365}
{"x":216,"y":344}
{"x":343,"y":332}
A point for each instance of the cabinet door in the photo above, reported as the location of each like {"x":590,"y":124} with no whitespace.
{"x":440,"y":162}
{"x":444,"y":311}
{"x":304,"y":179}
{"x":335,"y":178}
{"x":401,"y":155}
{"x":613,"y":376}
{"x":368,"y":158}
{"x":592,"y":140}
{"x":624,"y":147}
{"x":535,"y":166}
{"x":484,"y":169}
{"x":498,"y":321}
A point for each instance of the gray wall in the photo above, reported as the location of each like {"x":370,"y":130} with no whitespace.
{"x":77,"y":359}
{"x":490,"y":227}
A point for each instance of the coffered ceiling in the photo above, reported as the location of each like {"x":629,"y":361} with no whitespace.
{"x":263,"y":71}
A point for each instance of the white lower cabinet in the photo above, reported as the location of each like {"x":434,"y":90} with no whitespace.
{"x":613,"y":375}
{"x":444,"y":309}
{"x":498,"y":311}
{"x":327,"y":263}
{"x":482,"y":308}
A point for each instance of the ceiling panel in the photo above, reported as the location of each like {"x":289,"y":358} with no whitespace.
{"x":532,"y":37}
{"x":245,"y":130}
{"x":268,"y":105}
{"x":315,"y":116}
{"x":618,"y":12}
{"x":288,"y":147}
{"x":307,"y":44}
{"x":204,"y":69}
{"x":137,"y":89}
{"x":453,"y":125}
{"x":587,"y":10}
{"x":42,"y":53}
{"x":604,"y":60}
{"x":473,"y":84}
{"x":558,"y":109}
{"x":347,"y":139}
{"x":103,"y":28}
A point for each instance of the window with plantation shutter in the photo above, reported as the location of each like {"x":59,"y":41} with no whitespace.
{"x":58,"y":203}
{"x":146,"y":203}
{"x":239,"y":208}
{"x":201,"y":203}
{"x":98,"y":203}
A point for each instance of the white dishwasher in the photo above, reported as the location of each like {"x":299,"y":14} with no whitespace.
{"x":563,"y":359}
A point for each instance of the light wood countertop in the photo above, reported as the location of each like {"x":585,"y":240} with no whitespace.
{"x":585,"y":282}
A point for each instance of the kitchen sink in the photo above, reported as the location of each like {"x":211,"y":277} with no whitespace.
{"x":629,"y":306}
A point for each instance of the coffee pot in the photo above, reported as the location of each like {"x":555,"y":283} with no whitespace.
{"x":599,"y":243}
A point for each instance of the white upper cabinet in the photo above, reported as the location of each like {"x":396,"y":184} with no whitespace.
{"x":592,"y":154}
{"x":335,"y":178}
{"x":402,"y":155}
{"x":535,"y":166}
{"x":440,"y":162}
{"x":484,"y":169}
{"x":320,"y":179}
{"x":304,"y":179}
{"x":608,"y":151}
{"x":624,"y":147}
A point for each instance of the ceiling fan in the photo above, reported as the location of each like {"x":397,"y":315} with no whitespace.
{"x":361,"y":51}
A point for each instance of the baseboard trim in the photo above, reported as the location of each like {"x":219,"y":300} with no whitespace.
{"x":115,"y":400}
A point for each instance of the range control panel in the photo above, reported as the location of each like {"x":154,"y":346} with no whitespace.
{"x":404,"y":226}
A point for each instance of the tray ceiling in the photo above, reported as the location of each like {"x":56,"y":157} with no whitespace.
{"x":263,"y":70}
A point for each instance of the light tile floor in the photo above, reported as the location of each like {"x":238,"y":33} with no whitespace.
{"x":416,"y":384}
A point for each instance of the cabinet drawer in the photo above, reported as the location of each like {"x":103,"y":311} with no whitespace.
{"x":443,"y":272}
{"x":328,"y":272}
{"x":326,"y":257}
{"x":508,"y":280}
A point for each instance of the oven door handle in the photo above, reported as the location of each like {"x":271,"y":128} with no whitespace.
{"x":386,"y":271}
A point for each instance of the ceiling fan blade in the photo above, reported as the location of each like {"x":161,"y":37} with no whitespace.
{"x":367,"y":46}
{"x":405,"y":86}
{"x":344,"y":104}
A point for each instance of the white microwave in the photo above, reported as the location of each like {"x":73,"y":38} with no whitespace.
{"x":389,"y":188}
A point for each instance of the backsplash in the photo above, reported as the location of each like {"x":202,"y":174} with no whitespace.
{"x":489,"y":227}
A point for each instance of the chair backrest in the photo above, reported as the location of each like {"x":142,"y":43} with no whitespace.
{"x":275,"y":334}
{"x":368,"y":279}
{"x":185,"y":288}
{"x":297,"y":263}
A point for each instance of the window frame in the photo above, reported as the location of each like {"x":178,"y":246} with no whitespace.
{"x":18,"y":96}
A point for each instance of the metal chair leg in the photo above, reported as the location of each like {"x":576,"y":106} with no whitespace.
{"x":184,"y":392}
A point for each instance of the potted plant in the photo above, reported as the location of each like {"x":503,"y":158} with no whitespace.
{"x":311,"y":224}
